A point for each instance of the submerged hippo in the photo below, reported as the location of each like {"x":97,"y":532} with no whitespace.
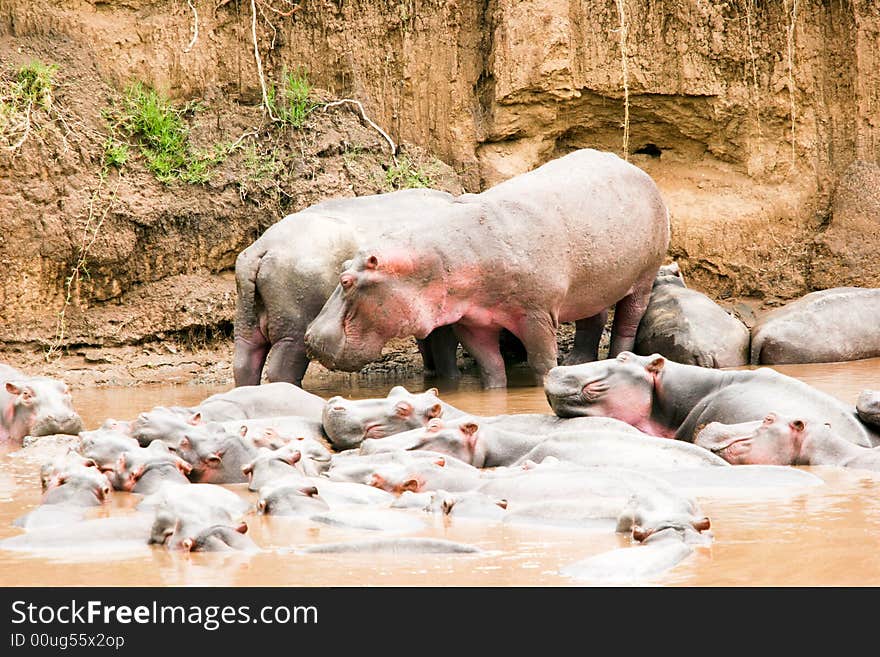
{"x":671,"y":400}
{"x":34,"y":406}
{"x":822,"y":327}
{"x":349,"y":422}
{"x":777,"y":440}
{"x":688,"y":327}
{"x":272,"y":399}
{"x":284,"y":278}
{"x":868,"y":407}
{"x":561,"y":243}
{"x":487,"y":442}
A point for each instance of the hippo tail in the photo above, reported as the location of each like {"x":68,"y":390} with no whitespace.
{"x":251,"y":345}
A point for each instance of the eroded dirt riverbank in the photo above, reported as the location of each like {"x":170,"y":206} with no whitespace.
{"x":825,"y":535}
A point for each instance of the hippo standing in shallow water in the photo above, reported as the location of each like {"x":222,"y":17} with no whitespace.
{"x":671,"y":400}
{"x":284,"y":278}
{"x":688,"y":327}
{"x":558,"y":244}
{"x":822,"y":327}
{"x":34,"y":406}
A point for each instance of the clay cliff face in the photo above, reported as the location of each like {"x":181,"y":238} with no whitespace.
{"x":757,"y":119}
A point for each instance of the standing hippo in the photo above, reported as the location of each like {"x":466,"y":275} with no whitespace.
{"x":822,"y":327}
{"x":284,"y":278}
{"x":778,"y":440}
{"x":671,"y":400}
{"x":34,"y":406}
{"x":561,"y":243}
{"x":688,"y":327}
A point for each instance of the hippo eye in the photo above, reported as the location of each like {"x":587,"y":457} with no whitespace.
{"x":347,"y":281}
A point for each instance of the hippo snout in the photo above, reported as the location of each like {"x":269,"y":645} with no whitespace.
{"x":68,"y":424}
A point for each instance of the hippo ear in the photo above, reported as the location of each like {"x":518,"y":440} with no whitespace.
{"x":502,"y":503}
{"x":242,"y":430}
{"x":184,"y":443}
{"x":13,"y":388}
{"x":770,"y":418}
{"x":411,"y":484}
{"x":435,"y":411}
{"x":433,"y":391}
{"x":434,"y":425}
{"x":403,"y":409}
{"x":469,"y":430}
{"x":797,"y":425}
{"x":183,"y":466}
{"x":187,"y":544}
{"x":371,"y":262}
{"x":440,"y":461}
{"x":247,"y":469}
{"x":656,"y":365}
{"x":195,"y":420}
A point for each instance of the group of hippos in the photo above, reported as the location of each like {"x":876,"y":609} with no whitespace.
{"x":630,"y":439}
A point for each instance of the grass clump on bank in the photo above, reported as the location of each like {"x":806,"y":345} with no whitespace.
{"x":23,"y":92}
{"x":289,"y":102}
{"x":161,"y":134}
{"x":403,"y":173}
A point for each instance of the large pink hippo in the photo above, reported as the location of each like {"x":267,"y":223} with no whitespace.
{"x":561,"y":243}
{"x":286,"y":275}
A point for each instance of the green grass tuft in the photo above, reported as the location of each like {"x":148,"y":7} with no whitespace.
{"x":33,"y":84}
{"x":405,"y":174}
{"x":289,"y":102}
{"x":162,"y":136}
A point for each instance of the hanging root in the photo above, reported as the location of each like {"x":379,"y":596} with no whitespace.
{"x":195,"y":36}
{"x":623,"y":30}
{"x":364,"y":116}
{"x":750,"y":14}
{"x":259,"y":61}
{"x":791,"y":10}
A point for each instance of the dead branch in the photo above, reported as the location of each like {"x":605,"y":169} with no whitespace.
{"x":364,"y":116}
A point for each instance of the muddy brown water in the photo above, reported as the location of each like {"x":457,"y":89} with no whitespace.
{"x":826,"y":535}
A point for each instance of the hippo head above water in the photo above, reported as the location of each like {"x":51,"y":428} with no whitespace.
{"x":620,"y":388}
{"x":37,"y":406}
{"x":771,"y":441}
{"x":349,"y":422}
{"x":458,"y":438}
{"x":669,"y":275}
{"x":380,"y":296}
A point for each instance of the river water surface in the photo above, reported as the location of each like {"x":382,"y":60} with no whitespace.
{"x":827,"y":535}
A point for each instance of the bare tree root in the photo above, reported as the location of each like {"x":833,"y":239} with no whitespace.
{"x":259,"y":61}
{"x":90,"y":236}
{"x":621,"y":12}
{"x":366,"y":118}
{"x":791,"y":10}
{"x":195,"y":36}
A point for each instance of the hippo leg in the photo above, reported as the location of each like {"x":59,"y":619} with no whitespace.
{"x":588,"y":332}
{"x":443,"y":345}
{"x":250,"y":356}
{"x":482,"y":344}
{"x":288,"y":362}
{"x":538,"y":335}
{"x":427,"y":356}
{"x":627,"y":315}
